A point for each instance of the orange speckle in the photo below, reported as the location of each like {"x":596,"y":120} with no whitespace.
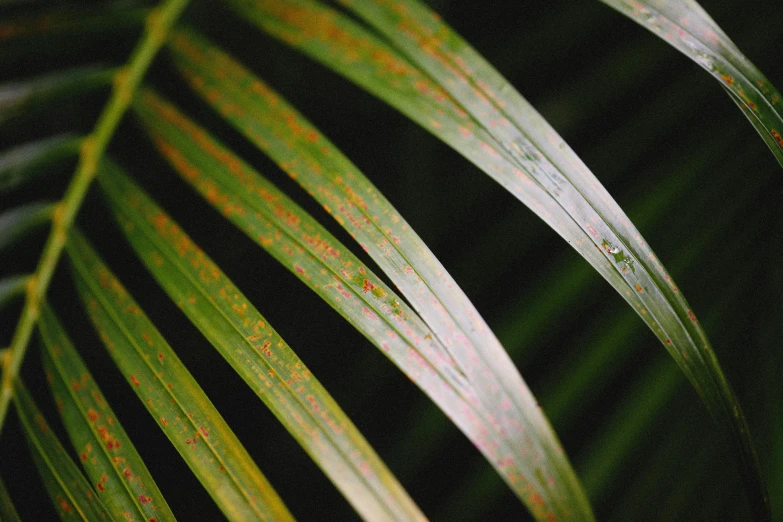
{"x":367,"y":286}
{"x":64,"y":505}
{"x":134,"y":380}
{"x":777,"y":136}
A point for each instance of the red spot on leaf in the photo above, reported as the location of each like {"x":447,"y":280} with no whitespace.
{"x":367,"y":286}
{"x":134,"y":380}
{"x":64,"y":505}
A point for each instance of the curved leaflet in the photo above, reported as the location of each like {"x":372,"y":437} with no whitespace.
{"x":429,"y":73}
{"x":120,"y":477}
{"x":257,"y":353}
{"x":170,"y":393}
{"x":536,"y":468}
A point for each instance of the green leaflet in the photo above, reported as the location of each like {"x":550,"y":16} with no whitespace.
{"x":434,"y":77}
{"x":19,"y":98}
{"x":536,"y":468}
{"x":124,"y":84}
{"x":119,"y":475}
{"x":573,"y":384}
{"x":12,"y":287}
{"x":310,"y":252}
{"x":64,"y":28}
{"x":171,"y":395}
{"x":580,"y":378}
{"x":27,"y":162}
{"x":17,"y":222}
{"x":72,"y":496}
{"x":7,"y":510}
{"x":258,"y":354}
{"x":688,"y":28}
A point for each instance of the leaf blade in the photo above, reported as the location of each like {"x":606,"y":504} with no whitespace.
{"x":18,"y":222}
{"x":12,"y":287}
{"x":258,"y":354}
{"x":21,"y":98}
{"x":311,"y":253}
{"x":688,"y":28}
{"x":120,"y":476}
{"x":170,"y":393}
{"x":7,"y":509}
{"x":536,"y":468}
{"x":445,"y":86}
{"x":72,"y":496}
{"x":27,"y":162}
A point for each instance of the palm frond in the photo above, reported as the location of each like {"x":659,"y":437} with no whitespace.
{"x":369,"y":209}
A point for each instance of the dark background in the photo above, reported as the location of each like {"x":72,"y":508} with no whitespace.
{"x":658,"y":131}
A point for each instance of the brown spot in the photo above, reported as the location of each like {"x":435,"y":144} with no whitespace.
{"x":777,"y":136}
{"x":134,"y":380}
{"x":367,"y":286}
{"x":64,"y":505}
